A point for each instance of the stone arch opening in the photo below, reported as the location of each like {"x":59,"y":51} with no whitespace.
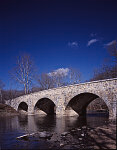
{"x":23,"y":107}
{"x":45,"y":106}
{"x":80,"y":103}
{"x":98,"y":105}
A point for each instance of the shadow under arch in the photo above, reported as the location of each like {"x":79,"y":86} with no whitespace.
{"x":45,"y":105}
{"x":23,"y":107}
{"x":80,"y":102}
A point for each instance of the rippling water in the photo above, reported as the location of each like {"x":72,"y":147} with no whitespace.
{"x":14,"y":126}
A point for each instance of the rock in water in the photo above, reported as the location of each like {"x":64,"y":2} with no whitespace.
{"x":45,"y":135}
{"x":23,"y":137}
{"x":64,"y":133}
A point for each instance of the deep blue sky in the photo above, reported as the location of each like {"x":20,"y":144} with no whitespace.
{"x":56,"y":34}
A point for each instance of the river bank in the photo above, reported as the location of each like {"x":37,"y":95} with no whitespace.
{"x":6,"y":110}
{"x":46,"y":132}
{"x":103,"y":137}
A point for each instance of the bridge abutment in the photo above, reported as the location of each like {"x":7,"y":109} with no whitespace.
{"x":113,"y":111}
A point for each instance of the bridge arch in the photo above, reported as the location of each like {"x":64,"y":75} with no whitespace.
{"x":80,"y":102}
{"x":22,"y":107}
{"x":45,"y":106}
{"x":104,"y":89}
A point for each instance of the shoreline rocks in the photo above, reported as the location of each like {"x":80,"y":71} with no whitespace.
{"x":103,"y":137}
{"x":44,"y":135}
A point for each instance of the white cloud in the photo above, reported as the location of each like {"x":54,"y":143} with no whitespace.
{"x":110,"y":43}
{"x":92,"y":41}
{"x":93,"y":34}
{"x":73,"y":44}
{"x":61,"y":71}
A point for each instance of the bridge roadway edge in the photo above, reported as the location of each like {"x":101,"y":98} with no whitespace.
{"x":60,"y":95}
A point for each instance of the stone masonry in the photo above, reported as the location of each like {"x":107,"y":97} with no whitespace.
{"x":104,"y":89}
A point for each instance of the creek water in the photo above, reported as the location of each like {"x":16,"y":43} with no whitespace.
{"x":14,"y":126}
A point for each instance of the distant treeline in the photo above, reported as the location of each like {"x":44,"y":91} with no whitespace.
{"x":25,"y":75}
{"x":10,"y":94}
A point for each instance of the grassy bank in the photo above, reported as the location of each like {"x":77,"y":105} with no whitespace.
{"x":7,"y":110}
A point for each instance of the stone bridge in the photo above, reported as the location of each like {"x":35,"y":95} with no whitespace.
{"x":76,"y":97}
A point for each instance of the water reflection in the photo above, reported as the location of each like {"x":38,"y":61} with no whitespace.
{"x":95,"y":121}
{"x":11,"y":127}
{"x":47,"y":122}
{"x":23,"y":120}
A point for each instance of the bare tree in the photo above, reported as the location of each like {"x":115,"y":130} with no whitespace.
{"x":71,"y":76}
{"x":105,"y":72}
{"x":1,"y":87}
{"x":46,"y":82}
{"x":59,"y":79}
{"x":23,"y":73}
{"x":108,"y":71}
{"x":75,"y":76}
{"x":35,"y":89}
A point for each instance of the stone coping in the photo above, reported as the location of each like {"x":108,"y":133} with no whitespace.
{"x":67,"y":86}
{"x":77,"y":84}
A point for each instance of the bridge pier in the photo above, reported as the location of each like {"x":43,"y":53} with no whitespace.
{"x":82,"y":113}
{"x":113,"y":111}
{"x":60,"y":110}
{"x":30,"y":110}
{"x":80,"y":94}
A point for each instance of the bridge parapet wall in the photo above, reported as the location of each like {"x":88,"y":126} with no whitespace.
{"x":105,"y":89}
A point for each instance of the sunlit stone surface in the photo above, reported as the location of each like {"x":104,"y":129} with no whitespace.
{"x":78,"y":97}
